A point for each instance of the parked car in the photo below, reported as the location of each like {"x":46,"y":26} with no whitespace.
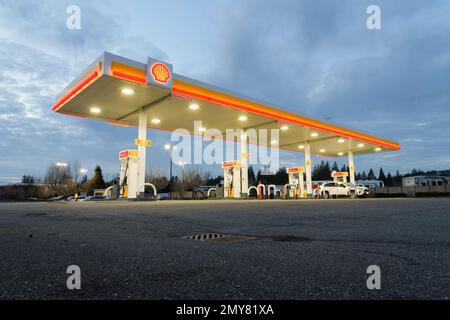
{"x":328,"y":190}
{"x":59,"y":198}
{"x":93,"y":198}
{"x":201,"y":192}
{"x":72,"y":198}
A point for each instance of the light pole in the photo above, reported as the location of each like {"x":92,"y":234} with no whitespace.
{"x":169,"y":148}
{"x":60,"y":175}
{"x":84,"y":172}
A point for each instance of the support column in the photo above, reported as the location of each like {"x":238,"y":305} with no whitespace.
{"x":244,"y":161}
{"x":351,"y":167}
{"x":142,"y":136}
{"x":308,"y":170}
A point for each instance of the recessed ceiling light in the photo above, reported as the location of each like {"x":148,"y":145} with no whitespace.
{"x":95,"y":110}
{"x":378,"y":149}
{"x":194,"y":106}
{"x":322,"y":150}
{"x":301,"y":147}
{"x":340,"y":153}
{"x":360,"y":145}
{"x":242,"y":118}
{"x":314,"y":134}
{"x":202,"y":129}
{"x":127,"y":91}
{"x":156,"y":121}
{"x":284,"y":128}
{"x":341,"y":140}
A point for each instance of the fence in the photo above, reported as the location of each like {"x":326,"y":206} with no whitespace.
{"x":412,"y":191}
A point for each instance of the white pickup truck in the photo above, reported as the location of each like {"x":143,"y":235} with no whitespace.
{"x":328,"y":190}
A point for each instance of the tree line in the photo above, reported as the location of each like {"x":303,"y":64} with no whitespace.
{"x":65,"y":180}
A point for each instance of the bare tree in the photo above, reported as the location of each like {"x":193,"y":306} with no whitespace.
{"x":157,"y":178}
{"x":192,"y":178}
{"x":75,"y":168}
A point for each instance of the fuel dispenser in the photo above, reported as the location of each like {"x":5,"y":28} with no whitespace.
{"x":296,"y":186}
{"x":128,"y":173}
{"x":232,"y":179}
{"x":339,"y":176}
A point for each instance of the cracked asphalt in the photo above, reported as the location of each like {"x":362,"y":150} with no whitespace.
{"x":310,"y":249}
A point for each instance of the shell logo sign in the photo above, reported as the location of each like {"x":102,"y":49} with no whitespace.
{"x":335,"y":174}
{"x":160,"y":73}
{"x":295,"y":170}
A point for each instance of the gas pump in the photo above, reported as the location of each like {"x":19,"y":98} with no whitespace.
{"x":128,"y":173}
{"x":232,"y":179}
{"x":339,"y":176}
{"x":296,"y":186}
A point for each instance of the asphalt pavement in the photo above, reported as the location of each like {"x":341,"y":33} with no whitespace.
{"x":274,"y":249}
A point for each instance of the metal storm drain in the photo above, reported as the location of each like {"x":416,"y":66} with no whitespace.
{"x":217,"y":237}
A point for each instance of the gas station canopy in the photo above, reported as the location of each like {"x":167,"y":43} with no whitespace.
{"x":116,"y":90}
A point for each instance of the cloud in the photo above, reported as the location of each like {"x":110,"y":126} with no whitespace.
{"x":40,"y":56}
{"x":318,"y":58}
{"x":314,"y":57}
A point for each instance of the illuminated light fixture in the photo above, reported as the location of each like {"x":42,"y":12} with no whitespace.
{"x":194,"y":106}
{"x":156,"y":121}
{"x":167,"y":146}
{"x":340,"y":153}
{"x":284,"y":128}
{"x":377,"y":149}
{"x":242,"y":118}
{"x":314,"y":134}
{"x":341,"y":140}
{"x":127,"y":91}
{"x":360,"y":145}
{"x":202,"y":129}
{"x":301,"y":147}
{"x":322,"y":150}
{"x":274,"y":142}
{"x":95,"y":110}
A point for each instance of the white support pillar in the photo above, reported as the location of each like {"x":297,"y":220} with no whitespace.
{"x":244,"y":161}
{"x":142,"y":136}
{"x":351,"y":167}
{"x":308,"y":170}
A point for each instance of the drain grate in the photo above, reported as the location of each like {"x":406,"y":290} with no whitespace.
{"x":216,"y":237}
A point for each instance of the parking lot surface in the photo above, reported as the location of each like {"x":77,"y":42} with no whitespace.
{"x":310,"y":249}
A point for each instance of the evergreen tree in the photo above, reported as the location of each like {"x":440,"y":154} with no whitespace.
{"x":364,"y":175}
{"x":389,"y":180}
{"x":251,"y":176}
{"x":315,"y":172}
{"x":397,"y":179}
{"x":258,"y":176}
{"x":281,"y":177}
{"x":335,"y":167}
{"x":371,"y":175}
{"x":97,"y":181}
{"x":381,"y":175}
{"x":327,"y":171}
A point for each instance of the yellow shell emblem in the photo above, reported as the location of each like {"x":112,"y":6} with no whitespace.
{"x":160,"y":73}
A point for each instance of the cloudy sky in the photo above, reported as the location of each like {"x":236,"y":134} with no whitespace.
{"x":316,"y":57}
